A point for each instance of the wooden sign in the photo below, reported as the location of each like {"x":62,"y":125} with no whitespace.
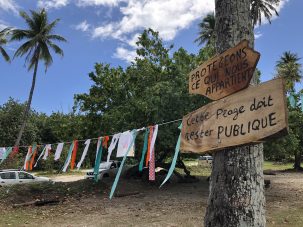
{"x":247,"y":116}
{"x":226,"y":73}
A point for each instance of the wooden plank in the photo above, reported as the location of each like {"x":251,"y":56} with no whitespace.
{"x":247,"y":116}
{"x":226,"y":73}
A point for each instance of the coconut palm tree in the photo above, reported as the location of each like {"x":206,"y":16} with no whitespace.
{"x":206,"y":30}
{"x":3,"y":41}
{"x":289,"y":68}
{"x":39,"y":39}
{"x":257,"y":9}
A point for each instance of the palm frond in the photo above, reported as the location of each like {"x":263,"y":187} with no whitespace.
{"x":45,"y":55}
{"x":4,"y":54}
{"x":56,"y":49}
{"x":27,"y":19}
{"x":24,"y":48}
{"x":56,"y":37}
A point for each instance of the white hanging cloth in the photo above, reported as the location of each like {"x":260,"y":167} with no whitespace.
{"x":124,"y":142}
{"x":112,"y":145}
{"x":42,"y":153}
{"x":58,"y":151}
{"x":48,"y":147}
{"x":2,"y":151}
{"x":153,"y":141}
{"x":87,"y":143}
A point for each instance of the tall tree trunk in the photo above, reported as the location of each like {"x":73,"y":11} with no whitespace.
{"x":28,"y":104}
{"x":237,"y":183}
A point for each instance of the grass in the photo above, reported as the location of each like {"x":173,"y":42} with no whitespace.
{"x":205,"y":169}
{"x":269,"y":165}
{"x":52,"y":173}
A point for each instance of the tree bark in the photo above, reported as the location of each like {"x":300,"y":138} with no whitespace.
{"x":237,"y":182}
{"x":28,"y":104}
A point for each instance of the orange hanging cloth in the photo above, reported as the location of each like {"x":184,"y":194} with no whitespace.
{"x":27,"y":160}
{"x":33,"y":159}
{"x":105,"y":141}
{"x":151,"y":130}
{"x":74,"y":154}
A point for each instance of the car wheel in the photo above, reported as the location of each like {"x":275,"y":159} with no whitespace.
{"x":106,"y":175}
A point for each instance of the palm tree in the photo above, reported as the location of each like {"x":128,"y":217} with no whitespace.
{"x":289,"y":68}
{"x":39,"y":39}
{"x":265,"y":7}
{"x":257,"y":9}
{"x":207,"y":28}
{"x":3,"y":41}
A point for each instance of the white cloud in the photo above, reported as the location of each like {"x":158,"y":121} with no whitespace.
{"x":3,"y":24}
{"x":168,"y":17}
{"x":125,"y":54}
{"x":84,"y":3}
{"x":258,"y":35}
{"x":9,"y":5}
{"x":48,"y":4}
{"x":83,"y":26}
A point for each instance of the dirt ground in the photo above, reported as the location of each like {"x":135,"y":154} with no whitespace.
{"x":176,"y":204}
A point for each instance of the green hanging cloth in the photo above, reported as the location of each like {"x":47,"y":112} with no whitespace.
{"x":6,"y":154}
{"x":144,"y":150}
{"x":68,"y":158}
{"x":134,"y":133}
{"x":98,"y":160}
{"x":173,"y":164}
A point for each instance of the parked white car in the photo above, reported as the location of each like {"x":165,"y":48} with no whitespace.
{"x":10,"y":177}
{"x":105,"y":170}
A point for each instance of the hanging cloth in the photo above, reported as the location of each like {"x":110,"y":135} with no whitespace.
{"x":40,"y":156}
{"x":112,"y":146}
{"x":6,"y":153}
{"x":68,"y":158}
{"x":30,"y":152}
{"x":98,"y":146}
{"x":98,"y":159}
{"x":34,"y":153}
{"x":58,"y":151}
{"x":124,"y":141}
{"x":134,"y":134}
{"x":152,"y":144}
{"x":74,"y":154}
{"x":174,"y":161}
{"x":151,"y":131}
{"x":87,"y":143}
{"x":15,"y":151}
{"x":27,"y":157}
{"x":151,"y":168}
{"x":48,"y":148}
{"x":2,"y":151}
{"x":105,"y":141}
{"x":144,"y":149}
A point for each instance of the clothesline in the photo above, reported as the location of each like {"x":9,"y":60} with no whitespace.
{"x":82,"y":140}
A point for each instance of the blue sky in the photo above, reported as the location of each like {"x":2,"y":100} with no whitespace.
{"x":106,"y":30}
